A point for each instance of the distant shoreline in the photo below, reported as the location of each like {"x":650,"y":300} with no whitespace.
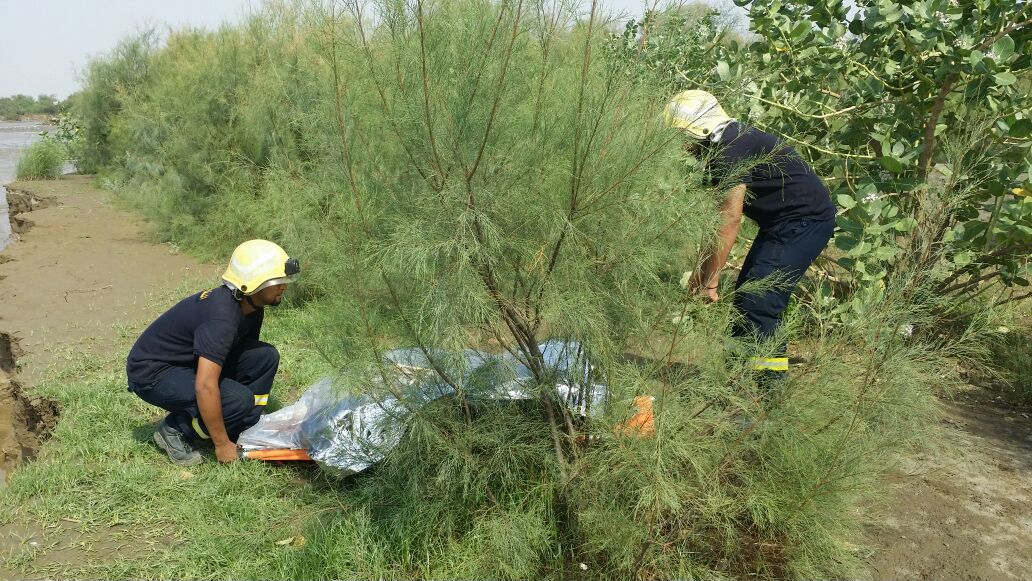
{"x":35,"y":117}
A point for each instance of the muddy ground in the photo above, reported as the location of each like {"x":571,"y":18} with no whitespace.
{"x":80,"y":268}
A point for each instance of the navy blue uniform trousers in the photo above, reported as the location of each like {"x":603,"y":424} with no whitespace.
{"x":780,"y":254}
{"x":244,"y":387}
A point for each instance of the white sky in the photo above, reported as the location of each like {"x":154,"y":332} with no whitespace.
{"x":45,"y":44}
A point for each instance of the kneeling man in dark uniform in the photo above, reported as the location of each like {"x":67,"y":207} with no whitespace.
{"x":202,"y":360}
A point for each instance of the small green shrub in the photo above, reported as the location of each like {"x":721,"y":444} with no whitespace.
{"x":42,"y":160}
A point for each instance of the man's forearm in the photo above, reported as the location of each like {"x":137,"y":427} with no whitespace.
{"x":713,"y":265}
{"x":731,"y":211}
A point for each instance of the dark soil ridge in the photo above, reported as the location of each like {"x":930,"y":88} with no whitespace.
{"x":25,"y":421}
{"x":19,"y":202}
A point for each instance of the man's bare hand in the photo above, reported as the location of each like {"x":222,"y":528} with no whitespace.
{"x":227,"y":452}
{"x":709,"y":294}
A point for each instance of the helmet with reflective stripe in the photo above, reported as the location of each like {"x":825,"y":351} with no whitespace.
{"x":258,"y":264}
{"x":697,"y":112}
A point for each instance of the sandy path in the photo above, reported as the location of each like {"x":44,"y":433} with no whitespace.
{"x":964,"y":509}
{"x":81,"y":268}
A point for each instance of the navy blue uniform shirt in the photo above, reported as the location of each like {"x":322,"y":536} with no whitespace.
{"x":208,"y":324}
{"x":780,"y":185}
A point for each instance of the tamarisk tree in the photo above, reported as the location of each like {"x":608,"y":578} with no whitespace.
{"x":502,"y":183}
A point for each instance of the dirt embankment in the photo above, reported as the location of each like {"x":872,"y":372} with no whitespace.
{"x":77,"y":269}
{"x":24,"y":421}
{"x":20,"y":203}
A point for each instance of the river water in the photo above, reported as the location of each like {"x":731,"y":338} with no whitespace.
{"x":14,"y":136}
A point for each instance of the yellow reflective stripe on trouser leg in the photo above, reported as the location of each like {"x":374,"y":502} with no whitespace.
{"x":197,"y":428}
{"x":769,"y":363}
{"x":261,"y":399}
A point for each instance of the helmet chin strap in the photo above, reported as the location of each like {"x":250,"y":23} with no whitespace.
{"x":250,"y":302}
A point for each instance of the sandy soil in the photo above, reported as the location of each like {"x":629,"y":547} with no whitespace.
{"x":963,"y":510}
{"x":81,"y":267}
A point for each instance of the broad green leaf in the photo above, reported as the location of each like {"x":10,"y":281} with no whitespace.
{"x":846,"y":242}
{"x":846,"y":201}
{"x":1005,"y":78}
{"x":890,"y":163}
{"x":1004,"y":48}
{"x":800,"y":30}
{"x":847,"y":224}
{"x":873,"y":271}
{"x":1021,"y":128}
{"x":905,"y":224}
{"x":975,"y":57}
{"x":723,"y":70}
{"x":885,"y":253}
{"x":860,"y":249}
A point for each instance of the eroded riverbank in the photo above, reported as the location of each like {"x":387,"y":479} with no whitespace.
{"x":25,"y":422}
{"x":14,"y":137}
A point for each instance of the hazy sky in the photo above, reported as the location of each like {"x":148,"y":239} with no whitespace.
{"x":44,"y":44}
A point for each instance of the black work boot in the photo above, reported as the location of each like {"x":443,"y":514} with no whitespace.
{"x":179,"y":450}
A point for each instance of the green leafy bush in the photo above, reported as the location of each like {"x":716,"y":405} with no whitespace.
{"x":918,"y":113}
{"x":43,"y":160}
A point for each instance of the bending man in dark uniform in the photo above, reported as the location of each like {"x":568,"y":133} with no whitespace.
{"x":771,"y":184}
{"x":202,"y":360}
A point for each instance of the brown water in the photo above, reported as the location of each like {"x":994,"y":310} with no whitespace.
{"x":14,"y":137}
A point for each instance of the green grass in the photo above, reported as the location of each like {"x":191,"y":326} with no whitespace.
{"x":41,"y":160}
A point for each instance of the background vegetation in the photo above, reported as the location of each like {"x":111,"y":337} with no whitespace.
{"x":17,"y":106}
{"x":491,"y":175}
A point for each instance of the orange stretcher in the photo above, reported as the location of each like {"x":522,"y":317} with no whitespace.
{"x":296,"y":455}
{"x":642,"y":423}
